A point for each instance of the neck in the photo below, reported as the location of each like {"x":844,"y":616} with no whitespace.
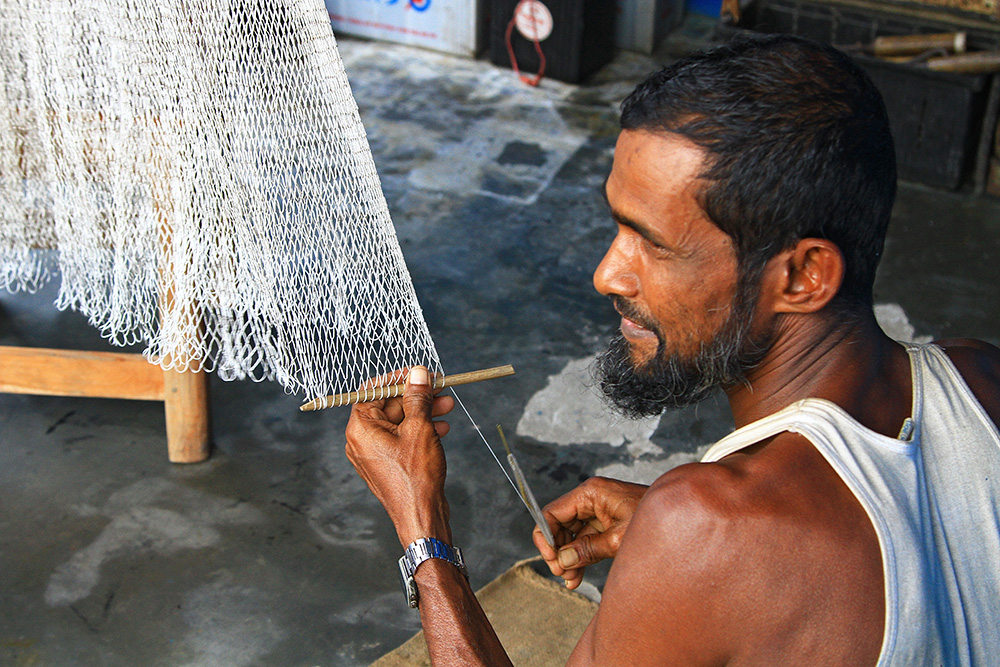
{"x":846,"y":360}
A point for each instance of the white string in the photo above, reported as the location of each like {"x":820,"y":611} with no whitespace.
{"x":203,"y":172}
{"x":480,"y":432}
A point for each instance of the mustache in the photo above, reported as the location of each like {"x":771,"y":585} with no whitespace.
{"x":630,"y":311}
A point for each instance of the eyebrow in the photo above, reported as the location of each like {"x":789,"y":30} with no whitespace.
{"x":643,"y":231}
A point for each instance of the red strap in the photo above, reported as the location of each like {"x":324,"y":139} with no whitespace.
{"x":531,"y":81}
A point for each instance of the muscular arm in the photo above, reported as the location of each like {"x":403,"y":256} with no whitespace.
{"x":764,"y":558}
{"x":455,"y":626}
{"x":657,"y":607}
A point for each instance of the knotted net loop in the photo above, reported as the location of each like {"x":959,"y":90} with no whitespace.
{"x":201,"y":172}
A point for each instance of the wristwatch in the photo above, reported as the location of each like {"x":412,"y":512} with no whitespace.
{"x":423,"y":549}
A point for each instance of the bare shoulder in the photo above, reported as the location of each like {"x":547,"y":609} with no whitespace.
{"x":979,"y":364}
{"x":734,"y":559}
{"x":975,"y":357}
{"x":660,"y":593}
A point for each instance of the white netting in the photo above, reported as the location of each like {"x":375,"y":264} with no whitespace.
{"x":202,"y":172}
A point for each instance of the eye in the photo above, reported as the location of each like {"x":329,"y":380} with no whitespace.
{"x":655,"y":248}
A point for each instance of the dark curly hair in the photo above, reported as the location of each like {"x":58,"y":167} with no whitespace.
{"x":798,"y":145}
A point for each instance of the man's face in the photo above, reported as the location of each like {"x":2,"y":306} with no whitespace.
{"x":673,"y":277}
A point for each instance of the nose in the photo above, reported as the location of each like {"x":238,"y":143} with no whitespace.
{"x":615,"y":274}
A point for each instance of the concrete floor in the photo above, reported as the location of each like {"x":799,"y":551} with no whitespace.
{"x":273,"y":552}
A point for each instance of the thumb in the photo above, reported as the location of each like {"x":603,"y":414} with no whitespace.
{"x":586,"y":550}
{"x":418,"y":394}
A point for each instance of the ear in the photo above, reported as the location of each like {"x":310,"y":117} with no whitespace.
{"x":807,"y":276}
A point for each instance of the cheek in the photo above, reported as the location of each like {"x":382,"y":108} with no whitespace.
{"x":694,"y":303}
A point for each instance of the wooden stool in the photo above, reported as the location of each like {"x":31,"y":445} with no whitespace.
{"x":49,"y":372}
{"x":120,"y":375}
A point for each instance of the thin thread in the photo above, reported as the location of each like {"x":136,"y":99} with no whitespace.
{"x":480,"y":432}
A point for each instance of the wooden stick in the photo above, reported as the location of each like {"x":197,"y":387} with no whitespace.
{"x":378,"y":393}
{"x":978,"y":62}
{"x":912,"y":45}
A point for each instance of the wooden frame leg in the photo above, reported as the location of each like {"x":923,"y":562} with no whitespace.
{"x":187,"y":411}
{"x":51,"y":372}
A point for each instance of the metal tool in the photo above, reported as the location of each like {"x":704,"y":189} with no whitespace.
{"x":527,"y":497}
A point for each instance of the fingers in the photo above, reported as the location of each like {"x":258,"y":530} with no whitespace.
{"x":589,"y":523}
{"x":574,"y":508}
{"x":442,"y":405}
{"x":573,"y":576}
{"x":397,"y":450}
{"x":588,"y":549}
{"x":548,"y":553}
{"x":369,"y":419}
{"x":387,"y":380}
{"x":418,"y":395}
{"x":372,"y":420}
{"x":366,"y":419}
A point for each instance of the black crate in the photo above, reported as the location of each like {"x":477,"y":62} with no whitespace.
{"x":582,"y":39}
{"x":937,"y":118}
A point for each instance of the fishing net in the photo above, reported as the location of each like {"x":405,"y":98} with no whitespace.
{"x":200,"y":172}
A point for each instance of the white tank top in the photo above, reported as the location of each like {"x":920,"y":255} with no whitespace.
{"x":934,"y":500}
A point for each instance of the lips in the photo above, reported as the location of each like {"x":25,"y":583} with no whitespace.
{"x":634,"y":325}
{"x":634,"y":331}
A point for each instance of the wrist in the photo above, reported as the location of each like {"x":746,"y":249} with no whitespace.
{"x":418,"y":553}
{"x":432,"y":522}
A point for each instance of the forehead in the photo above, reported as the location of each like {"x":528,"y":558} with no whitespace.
{"x":655,"y":180}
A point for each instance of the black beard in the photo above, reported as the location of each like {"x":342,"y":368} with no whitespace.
{"x":676,"y":381}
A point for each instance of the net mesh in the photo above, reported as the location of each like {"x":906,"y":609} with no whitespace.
{"x":202,"y":173}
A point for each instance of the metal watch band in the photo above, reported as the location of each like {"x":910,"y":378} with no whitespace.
{"x":423,"y":549}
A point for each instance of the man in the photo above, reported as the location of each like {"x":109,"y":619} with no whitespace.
{"x":852,"y":518}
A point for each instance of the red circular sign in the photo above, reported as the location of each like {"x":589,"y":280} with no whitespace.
{"x":533,"y":20}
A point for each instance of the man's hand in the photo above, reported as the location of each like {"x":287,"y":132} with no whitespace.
{"x":588,"y":524}
{"x":395,"y":446}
